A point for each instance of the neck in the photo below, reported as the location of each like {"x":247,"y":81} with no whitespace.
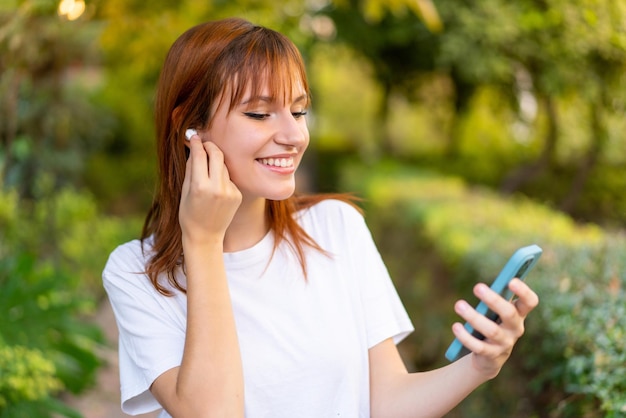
{"x":248,"y":227}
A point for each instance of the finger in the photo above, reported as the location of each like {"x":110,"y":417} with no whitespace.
{"x":187,"y":179}
{"x":469,"y":341}
{"x":502,"y":307}
{"x":198,"y":159}
{"x":479,"y":322}
{"x":217,"y":169}
{"x":527,"y":299}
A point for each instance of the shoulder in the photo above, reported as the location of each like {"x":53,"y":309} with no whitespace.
{"x":127,"y":260}
{"x":333,"y":210}
{"x":130,"y":252}
{"x":333,"y":220}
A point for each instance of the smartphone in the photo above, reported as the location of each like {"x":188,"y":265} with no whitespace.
{"x":520,"y":263}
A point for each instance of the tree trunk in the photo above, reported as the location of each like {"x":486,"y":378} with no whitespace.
{"x":526,"y":173}
{"x":599,"y":139}
{"x":8,"y":129}
{"x":382,"y":119}
{"x":463,"y":93}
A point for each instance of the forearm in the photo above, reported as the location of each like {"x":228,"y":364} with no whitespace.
{"x":396,"y":393}
{"x":210,"y":378}
{"x":433,"y":393}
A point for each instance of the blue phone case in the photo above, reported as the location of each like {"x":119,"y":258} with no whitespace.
{"x":520,"y":263}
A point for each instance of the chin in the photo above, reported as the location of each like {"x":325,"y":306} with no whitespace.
{"x":280,"y":196}
{"x":283,"y":194}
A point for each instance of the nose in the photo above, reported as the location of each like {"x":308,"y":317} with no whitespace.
{"x":291,"y":130}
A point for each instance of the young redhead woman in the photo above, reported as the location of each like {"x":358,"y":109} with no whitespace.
{"x":242,"y":299}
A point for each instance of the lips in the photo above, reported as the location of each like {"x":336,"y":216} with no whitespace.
{"x":277,"y":162}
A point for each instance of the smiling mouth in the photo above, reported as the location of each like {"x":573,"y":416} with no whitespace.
{"x":277,"y":162}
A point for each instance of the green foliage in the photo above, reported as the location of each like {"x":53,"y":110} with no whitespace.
{"x":591,"y":314}
{"x":554,"y":73}
{"x":340,"y":121}
{"x":26,"y":376}
{"x":27,"y":384}
{"x":65,"y":229}
{"x":52,"y":251}
{"x":40,"y":312}
{"x":50,"y":121}
{"x":560,"y":42}
{"x":571,"y":360}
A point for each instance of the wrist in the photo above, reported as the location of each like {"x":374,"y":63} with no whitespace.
{"x":202,"y":245}
{"x":484,"y":370}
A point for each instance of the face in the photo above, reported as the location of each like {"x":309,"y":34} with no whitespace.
{"x":263,"y":140}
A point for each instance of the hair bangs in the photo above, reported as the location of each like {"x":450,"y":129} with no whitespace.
{"x":269,"y":63}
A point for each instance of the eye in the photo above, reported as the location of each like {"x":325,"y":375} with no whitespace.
{"x":299,"y":114}
{"x":256,"y":116}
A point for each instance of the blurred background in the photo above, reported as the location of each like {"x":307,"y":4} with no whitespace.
{"x":470,"y":128}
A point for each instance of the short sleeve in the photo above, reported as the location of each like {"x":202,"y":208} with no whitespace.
{"x":151,"y":327}
{"x":385,"y":314}
{"x":382,"y":309}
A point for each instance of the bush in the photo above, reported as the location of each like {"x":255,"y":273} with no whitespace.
{"x":571,"y":360}
{"x":64,"y":228}
{"x":52,"y":253}
{"x":26,"y":376}
{"x":41,"y":311}
{"x":28,"y":383}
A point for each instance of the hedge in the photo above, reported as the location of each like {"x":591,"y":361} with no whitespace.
{"x":572,"y":360}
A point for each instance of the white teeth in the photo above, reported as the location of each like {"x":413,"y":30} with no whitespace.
{"x":278,"y":162}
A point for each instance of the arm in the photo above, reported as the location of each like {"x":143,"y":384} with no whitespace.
{"x":209,"y":381}
{"x":396,"y":393}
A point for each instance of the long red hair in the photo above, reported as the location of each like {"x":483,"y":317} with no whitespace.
{"x":201,"y":64}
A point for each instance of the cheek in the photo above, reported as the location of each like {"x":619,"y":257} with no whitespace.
{"x":221,"y":138}
{"x":237,"y":161}
{"x":306,"y":136}
{"x":231,"y":165}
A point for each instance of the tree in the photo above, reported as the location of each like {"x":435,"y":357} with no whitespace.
{"x":400,"y":48}
{"x":566,"y":47}
{"x":48,"y":121}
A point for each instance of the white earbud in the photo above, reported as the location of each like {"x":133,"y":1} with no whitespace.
{"x":189,"y":133}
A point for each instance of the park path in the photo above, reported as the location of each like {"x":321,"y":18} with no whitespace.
{"x":103,"y":401}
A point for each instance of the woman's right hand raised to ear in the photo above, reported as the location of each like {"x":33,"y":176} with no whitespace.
{"x":209,"y":380}
{"x":209,"y":199}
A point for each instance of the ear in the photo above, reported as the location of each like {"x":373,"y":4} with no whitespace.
{"x":177,"y":123}
{"x":177,"y":116}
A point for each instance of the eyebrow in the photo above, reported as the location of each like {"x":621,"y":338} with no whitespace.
{"x":268,"y":99}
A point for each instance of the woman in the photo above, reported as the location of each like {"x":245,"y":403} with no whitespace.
{"x":244,"y":300}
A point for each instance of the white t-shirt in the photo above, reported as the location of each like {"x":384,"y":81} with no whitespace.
{"x":304,"y":342}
